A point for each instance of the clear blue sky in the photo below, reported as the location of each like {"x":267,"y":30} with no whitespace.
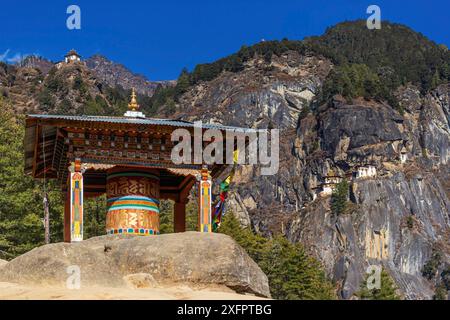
{"x":159,"y":38}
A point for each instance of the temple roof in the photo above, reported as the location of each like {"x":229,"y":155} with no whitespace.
{"x":131,"y":121}
{"x":52,"y":142}
{"x":72,"y":53}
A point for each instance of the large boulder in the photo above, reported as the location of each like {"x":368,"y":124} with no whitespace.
{"x":198,"y":259}
{"x":3,"y":263}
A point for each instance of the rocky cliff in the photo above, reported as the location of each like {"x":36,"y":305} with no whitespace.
{"x":395,"y":217}
{"x":115,"y":74}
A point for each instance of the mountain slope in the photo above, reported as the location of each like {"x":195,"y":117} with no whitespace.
{"x":114,"y":74}
{"x":65,"y":89}
{"x":350,"y":98}
{"x":397,"y":218}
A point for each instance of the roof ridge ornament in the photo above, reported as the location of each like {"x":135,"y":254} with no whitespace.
{"x":133,"y":107}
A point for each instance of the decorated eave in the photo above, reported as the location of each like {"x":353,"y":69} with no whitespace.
{"x":52,"y":142}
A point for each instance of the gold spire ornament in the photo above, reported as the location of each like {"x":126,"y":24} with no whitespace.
{"x":133,"y":105}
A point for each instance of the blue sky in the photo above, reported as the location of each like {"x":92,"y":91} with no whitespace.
{"x":159,"y":38}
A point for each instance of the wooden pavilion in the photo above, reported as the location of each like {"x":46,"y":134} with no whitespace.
{"x":128,"y":158}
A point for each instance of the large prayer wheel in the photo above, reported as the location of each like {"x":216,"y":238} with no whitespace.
{"x":133,"y":201}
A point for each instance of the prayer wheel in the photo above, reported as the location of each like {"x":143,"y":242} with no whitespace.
{"x":133,"y":201}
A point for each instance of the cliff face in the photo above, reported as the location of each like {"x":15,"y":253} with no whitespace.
{"x":259,"y":96}
{"x":115,"y":74}
{"x":395,"y":218}
{"x":378,"y":232}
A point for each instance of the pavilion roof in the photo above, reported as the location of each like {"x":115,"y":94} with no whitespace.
{"x":131,"y":121}
{"x":47,"y":150}
{"x":72,"y":52}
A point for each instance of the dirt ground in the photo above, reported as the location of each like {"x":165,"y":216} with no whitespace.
{"x":11,"y":291}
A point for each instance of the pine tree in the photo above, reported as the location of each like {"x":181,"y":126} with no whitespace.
{"x":387,"y":290}
{"x":292,"y":273}
{"x":21,"y":198}
{"x":183,"y":83}
{"x":94,"y":219}
{"x":339,"y":198}
{"x":166,"y":216}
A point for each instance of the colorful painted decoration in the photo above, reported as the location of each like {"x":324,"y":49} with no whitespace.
{"x":219,"y":203}
{"x":205,"y":202}
{"x":76,"y":206}
{"x":133,"y":203}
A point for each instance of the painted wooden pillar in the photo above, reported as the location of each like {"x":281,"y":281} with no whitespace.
{"x":179,"y":216}
{"x":75,"y":198}
{"x":204,"y":206}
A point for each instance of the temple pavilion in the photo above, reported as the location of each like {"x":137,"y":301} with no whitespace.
{"x":127,"y":158}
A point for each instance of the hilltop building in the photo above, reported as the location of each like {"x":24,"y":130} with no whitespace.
{"x":365,"y":171}
{"x":327,"y":187}
{"x":403,"y":155}
{"x":72,"y":56}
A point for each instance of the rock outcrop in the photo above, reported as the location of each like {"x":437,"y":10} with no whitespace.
{"x":115,"y":74}
{"x":397,"y":215}
{"x":3,"y":263}
{"x":195,"y":259}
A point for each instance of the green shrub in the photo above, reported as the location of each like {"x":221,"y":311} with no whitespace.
{"x":410,"y":222}
{"x":440,"y":293}
{"x":387,"y":290}
{"x":46,"y":100}
{"x":339,"y":198}
{"x":292,"y":272}
{"x":431,"y":267}
{"x":445,"y":276}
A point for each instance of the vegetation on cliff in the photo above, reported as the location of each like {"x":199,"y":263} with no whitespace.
{"x":386,"y":291}
{"x":292,"y":272}
{"x":368,"y":63}
{"x":339,"y":198}
{"x":437,"y":271}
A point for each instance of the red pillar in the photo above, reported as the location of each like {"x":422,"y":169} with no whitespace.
{"x":67,"y":215}
{"x":179,"y":217}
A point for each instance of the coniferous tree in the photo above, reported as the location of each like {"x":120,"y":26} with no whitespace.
{"x":339,"y":198}
{"x":183,"y":83}
{"x":292,"y":272}
{"x":21,"y":198}
{"x":387,"y":290}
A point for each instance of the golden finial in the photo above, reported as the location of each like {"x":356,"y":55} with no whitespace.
{"x":133,"y":105}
